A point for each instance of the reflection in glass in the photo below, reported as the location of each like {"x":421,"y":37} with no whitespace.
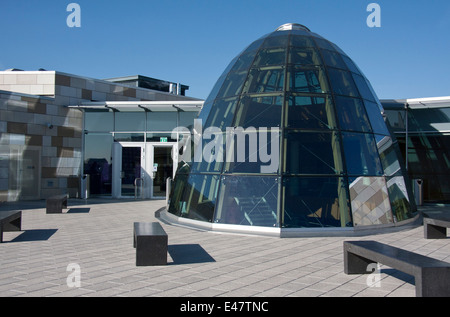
{"x":98,"y":121}
{"x":253,"y":151}
{"x":247,"y":200}
{"x":307,"y":112}
{"x":268,"y":79}
{"x":352,"y":114}
{"x":97,"y":162}
{"x":161,"y":121}
{"x":333,"y":59}
{"x":370,"y":201}
{"x":232,"y":85}
{"x":313,"y":153}
{"x":301,"y":41}
{"x":304,"y":56}
{"x":270,"y":56}
{"x":315,"y":202}
{"x":376,"y":118}
{"x":398,"y":195}
{"x":222,"y":113}
{"x":342,"y":83}
{"x":129,"y":121}
{"x":307,"y":80}
{"x":196,"y":199}
{"x":259,"y":111}
{"x":361,"y":154}
{"x":363,"y":88}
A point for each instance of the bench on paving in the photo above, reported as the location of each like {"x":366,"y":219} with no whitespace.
{"x":150,"y":241}
{"x":10,"y":221}
{"x":55,"y":204}
{"x":432,"y":276}
{"x":435,"y":226}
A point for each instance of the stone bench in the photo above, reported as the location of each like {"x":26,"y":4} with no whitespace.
{"x":432,"y":276}
{"x":55,"y":204}
{"x":435,"y":226}
{"x":10,"y":221}
{"x":150,"y":241}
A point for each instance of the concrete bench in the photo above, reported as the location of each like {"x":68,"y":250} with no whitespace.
{"x":435,"y":226}
{"x":10,"y":221}
{"x":55,"y":204}
{"x":150,"y":241}
{"x":432,"y":276}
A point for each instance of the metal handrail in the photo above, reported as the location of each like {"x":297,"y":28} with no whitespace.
{"x":136,"y":187}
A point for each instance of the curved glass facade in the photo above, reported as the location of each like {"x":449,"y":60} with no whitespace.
{"x":298,"y":140}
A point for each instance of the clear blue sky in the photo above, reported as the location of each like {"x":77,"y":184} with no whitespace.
{"x":192,"y":41}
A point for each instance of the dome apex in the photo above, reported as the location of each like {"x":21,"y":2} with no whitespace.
{"x":292,"y":26}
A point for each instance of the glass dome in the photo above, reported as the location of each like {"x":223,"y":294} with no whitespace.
{"x":292,"y":138}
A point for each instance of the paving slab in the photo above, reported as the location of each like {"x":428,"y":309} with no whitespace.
{"x":96,"y":236}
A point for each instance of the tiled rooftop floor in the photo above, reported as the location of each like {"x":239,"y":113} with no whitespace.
{"x":97,"y":236}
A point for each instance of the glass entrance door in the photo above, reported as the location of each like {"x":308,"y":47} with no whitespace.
{"x":163,"y":168}
{"x":128,"y":173}
{"x":131,"y":172}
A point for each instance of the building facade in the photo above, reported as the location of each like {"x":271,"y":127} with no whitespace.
{"x":43,"y":135}
{"x":422,"y":128}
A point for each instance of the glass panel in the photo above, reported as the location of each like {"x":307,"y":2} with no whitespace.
{"x":130,"y":170}
{"x":247,"y":200}
{"x":97,"y":162}
{"x":276,"y":40}
{"x":301,"y":41}
{"x":215,"y":90}
{"x":176,"y":204}
{"x":253,"y":151}
{"x":363,"y":88}
{"x":204,"y":113}
{"x":352,"y":114}
{"x":361,"y":154}
{"x":342,"y":82}
{"x":376,"y":118}
{"x":270,"y":56}
{"x":398,"y":196}
{"x":161,"y":121}
{"x":232,"y":85}
{"x":209,"y":152}
{"x":333,"y":59}
{"x":307,"y":80}
{"x":222,"y":113}
{"x":162,"y":156}
{"x":350,"y":64}
{"x":129,"y":121}
{"x":162,"y":137}
{"x":322,"y":43}
{"x":244,"y":61}
{"x":304,"y":56}
{"x":315,"y":202}
{"x":313,"y":153}
{"x":199,"y":197}
{"x":99,"y":121}
{"x":255,"y":45}
{"x":310,"y":113}
{"x":388,"y":155}
{"x":186,"y":118}
{"x":259,"y":111}
{"x":268,"y":79}
{"x":130,"y":137}
{"x":370,"y":201}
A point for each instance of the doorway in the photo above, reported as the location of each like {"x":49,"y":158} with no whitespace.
{"x":163,"y":168}
{"x":140,"y":170}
